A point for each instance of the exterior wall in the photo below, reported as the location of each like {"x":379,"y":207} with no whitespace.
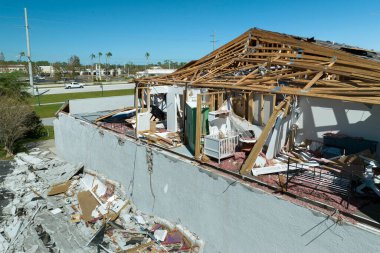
{"x":319,"y":116}
{"x":47,"y":69}
{"x":100,"y":104}
{"x":12,"y":68}
{"x":227,"y":215}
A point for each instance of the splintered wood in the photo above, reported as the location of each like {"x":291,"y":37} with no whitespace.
{"x":270,"y":62}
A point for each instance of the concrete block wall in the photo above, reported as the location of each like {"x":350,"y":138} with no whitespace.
{"x":100,"y":104}
{"x":229,"y":216}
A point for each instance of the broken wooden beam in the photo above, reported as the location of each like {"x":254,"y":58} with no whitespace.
{"x":250,"y":161}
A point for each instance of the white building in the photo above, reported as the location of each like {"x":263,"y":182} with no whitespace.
{"x":101,"y":72}
{"x":12,"y":68}
{"x":48,"y":70}
{"x":154,"y":71}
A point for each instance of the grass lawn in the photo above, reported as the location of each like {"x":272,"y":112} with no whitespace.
{"x":20,"y":144}
{"x":47,"y":111}
{"x":79,"y":95}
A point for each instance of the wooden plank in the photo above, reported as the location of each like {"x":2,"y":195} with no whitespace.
{"x":87,"y":203}
{"x":317,"y":77}
{"x":212,"y":102}
{"x":314,"y":80}
{"x":261,"y":111}
{"x":198,"y":126}
{"x":256,"y":70}
{"x":287,"y":107}
{"x":289,"y":91}
{"x":250,"y":107}
{"x":278,"y":77}
{"x":250,"y":162}
{"x":148,"y":99}
{"x":220,"y":100}
{"x":136,"y":107}
{"x":139,"y":248}
{"x":59,"y":188}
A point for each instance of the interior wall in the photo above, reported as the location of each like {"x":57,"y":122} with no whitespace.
{"x":228,"y":215}
{"x":319,"y":116}
{"x":277,"y":138}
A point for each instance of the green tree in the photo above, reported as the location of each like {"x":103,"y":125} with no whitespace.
{"x":17,"y":118}
{"x":74,"y":64}
{"x":57,"y":71}
{"x":42,"y":63}
{"x":10,"y":85}
{"x":74,"y":61}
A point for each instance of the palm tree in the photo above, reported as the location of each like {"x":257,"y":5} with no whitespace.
{"x":100,"y":55}
{"x":147,"y":55}
{"x":100,"y":66}
{"x":21,"y":54}
{"x":92,"y":57}
{"x":108,"y":55}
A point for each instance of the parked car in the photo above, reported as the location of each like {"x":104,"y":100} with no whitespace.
{"x":37,"y":77}
{"x":74,"y":85}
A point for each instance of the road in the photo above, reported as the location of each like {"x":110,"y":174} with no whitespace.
{"x":89,"y":88}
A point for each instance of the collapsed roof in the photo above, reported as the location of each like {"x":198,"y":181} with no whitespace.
{"x":265,"y":61}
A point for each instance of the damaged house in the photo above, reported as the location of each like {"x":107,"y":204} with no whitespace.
{"x":269,"y":142}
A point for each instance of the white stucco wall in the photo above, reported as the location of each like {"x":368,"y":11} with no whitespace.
{"x":325,"y":115}
{"x":229,"y":216}
{"x":100,"y":104}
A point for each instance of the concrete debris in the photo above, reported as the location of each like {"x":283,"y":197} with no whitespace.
{"x":3,"y":244}
{"x":12,"y":229}
{"x":55,"y":206}
{"x":56,"y":210}
{"x":29,"y":159}
{"x":140,"y":220}
{"x":160,"y":234}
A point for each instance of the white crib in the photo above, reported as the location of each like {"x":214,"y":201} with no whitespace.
{"x":220,"y":148}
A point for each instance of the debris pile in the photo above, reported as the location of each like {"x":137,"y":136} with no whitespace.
{"x":59,"y":207}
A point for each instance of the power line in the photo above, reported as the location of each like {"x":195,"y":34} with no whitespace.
{"x":213,"y":41}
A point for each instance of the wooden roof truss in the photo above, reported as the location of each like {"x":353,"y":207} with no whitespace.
{"x":270,"y":62}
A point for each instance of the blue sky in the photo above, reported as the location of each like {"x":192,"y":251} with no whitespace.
{"x":176,"y":30}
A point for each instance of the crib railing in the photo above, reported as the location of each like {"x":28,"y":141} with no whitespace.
{"x":220,"y":147}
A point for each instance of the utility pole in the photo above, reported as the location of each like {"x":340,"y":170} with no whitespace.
{"x":28,"y":47}
{"x":213,"y":41}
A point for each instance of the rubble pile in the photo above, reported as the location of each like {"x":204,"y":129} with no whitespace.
{"x":59,"y":207}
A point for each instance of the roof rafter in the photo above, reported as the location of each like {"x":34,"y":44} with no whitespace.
{"x":265,"y":61}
